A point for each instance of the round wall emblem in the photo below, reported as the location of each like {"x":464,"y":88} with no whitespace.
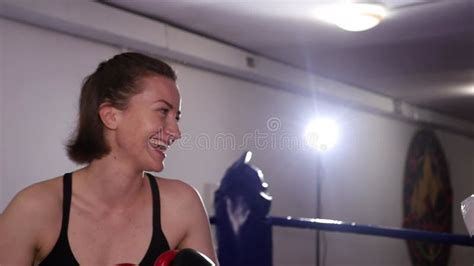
{"x":427,"y":197}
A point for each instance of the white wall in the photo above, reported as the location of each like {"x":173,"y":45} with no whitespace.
{"x":42,"y":78}
{"x":2,"y":111}
{"x":460,"y":156}
{"x":42,"y":75}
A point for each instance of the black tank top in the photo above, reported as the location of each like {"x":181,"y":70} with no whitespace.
{"x":62,"y":255}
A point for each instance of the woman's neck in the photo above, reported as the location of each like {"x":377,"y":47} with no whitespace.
{"x":110,"y":183}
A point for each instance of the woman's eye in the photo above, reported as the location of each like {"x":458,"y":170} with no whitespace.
{"x":164,"y":111}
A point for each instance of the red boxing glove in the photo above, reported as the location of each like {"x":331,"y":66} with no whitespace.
{"x":185,"y":257}
{"x":166,"y":258}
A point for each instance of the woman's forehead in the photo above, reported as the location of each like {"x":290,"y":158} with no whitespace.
{"x":154,"y":88}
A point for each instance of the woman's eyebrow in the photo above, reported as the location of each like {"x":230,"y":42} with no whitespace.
{"x":169,"y":105}
{"x":165,"y":102}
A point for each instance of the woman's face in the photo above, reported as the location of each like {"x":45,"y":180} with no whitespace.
{"x":149,"y":124}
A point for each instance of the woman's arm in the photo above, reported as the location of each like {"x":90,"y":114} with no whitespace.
{"x":198,"y":233}
{"x":19,"y":229}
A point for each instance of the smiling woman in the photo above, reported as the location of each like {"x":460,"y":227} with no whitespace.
{"x":107,"y":213}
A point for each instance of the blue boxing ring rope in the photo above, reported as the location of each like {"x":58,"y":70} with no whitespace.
{"x":338,"y":226}
{"x":344,"y":227}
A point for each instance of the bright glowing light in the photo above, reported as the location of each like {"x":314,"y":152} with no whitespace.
{"x":353,"y":16}
{"x":321,"y":134}
{"x":470,"y":90}
{"x":463,"y":90}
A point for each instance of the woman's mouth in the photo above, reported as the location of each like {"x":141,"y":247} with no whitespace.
{"x":158,"y":145}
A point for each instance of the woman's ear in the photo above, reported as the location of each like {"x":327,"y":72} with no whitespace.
{"x":109,"y":115}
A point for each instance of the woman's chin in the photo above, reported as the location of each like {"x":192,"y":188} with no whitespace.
{"x":157,"y":167}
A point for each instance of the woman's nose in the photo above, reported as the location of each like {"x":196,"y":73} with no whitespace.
{"x":173,"y":132}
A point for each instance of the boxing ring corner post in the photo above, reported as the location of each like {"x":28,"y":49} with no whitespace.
{"x":244,"y":228}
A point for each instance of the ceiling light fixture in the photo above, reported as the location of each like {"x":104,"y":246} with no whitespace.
{"x":470,"y":90}
{"x":353,"y":16}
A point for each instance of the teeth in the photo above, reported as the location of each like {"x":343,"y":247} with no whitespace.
{"x":162,"y":147}
{"x":154,"y":142}
{"x":158,"y":144}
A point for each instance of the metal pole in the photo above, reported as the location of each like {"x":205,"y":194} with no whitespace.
{"x":318,"y":205}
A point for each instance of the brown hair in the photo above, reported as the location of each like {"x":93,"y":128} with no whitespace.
{"x":114,"y":82}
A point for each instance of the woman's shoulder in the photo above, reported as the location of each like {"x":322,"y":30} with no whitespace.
{"x":38,"y":199}
{"x":174,"y":185}
{"x":177,"y":190}
{"x":30,"y":216}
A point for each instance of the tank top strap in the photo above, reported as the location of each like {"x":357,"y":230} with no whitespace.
{"x":62,"y":253}
{"x":159,"y":243}
{"x":67,"y":195}
{"x":155,"y":193}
